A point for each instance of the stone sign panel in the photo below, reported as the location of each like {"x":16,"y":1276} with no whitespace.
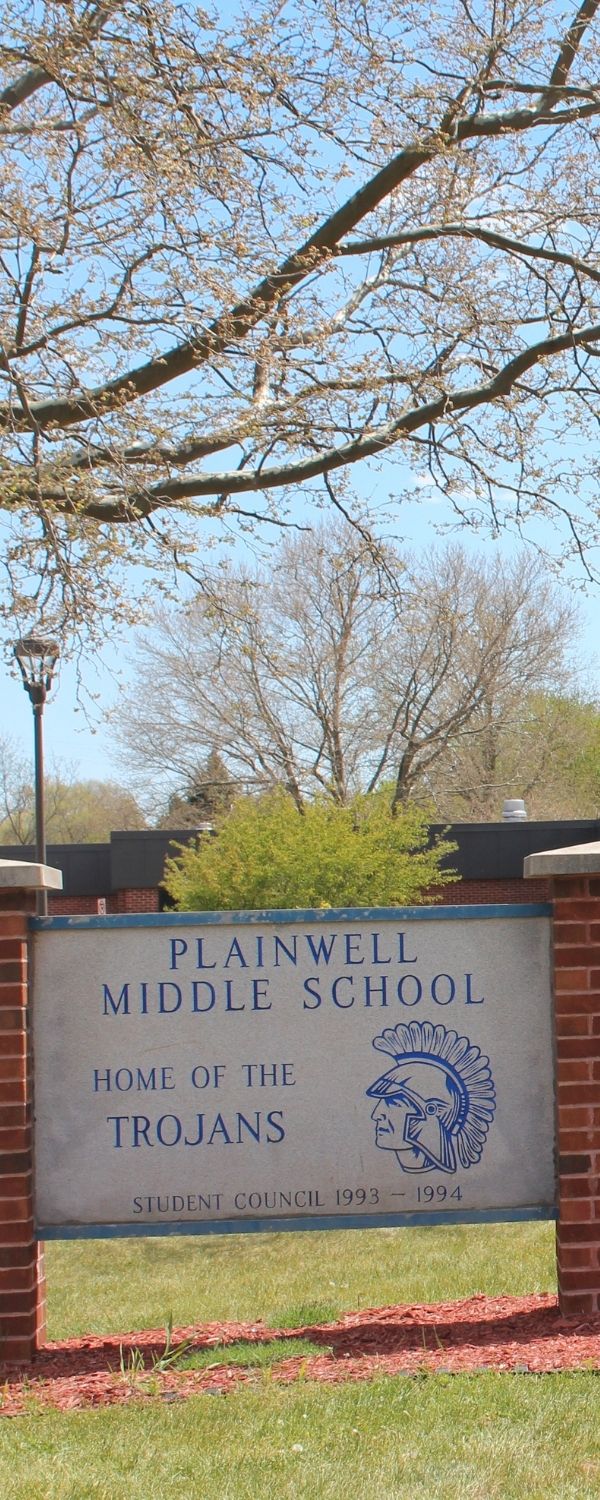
{"x":229,"y":1071}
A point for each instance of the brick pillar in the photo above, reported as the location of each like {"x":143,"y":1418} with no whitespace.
{"x":576,"y":936}
{"x":575,"y":874}
{"x":22,"y":1283}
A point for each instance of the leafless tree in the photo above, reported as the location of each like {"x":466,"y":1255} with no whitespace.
{"x":479,"y":641}
{"x":241,"y":255}
{"x":545,"y":750}
{"x":327,"y":676}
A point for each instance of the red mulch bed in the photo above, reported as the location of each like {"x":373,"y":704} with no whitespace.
{"x":518,"y":1334}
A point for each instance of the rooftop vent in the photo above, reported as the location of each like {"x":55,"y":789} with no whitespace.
{"x":514,"y":810}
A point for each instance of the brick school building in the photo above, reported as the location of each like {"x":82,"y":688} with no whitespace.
{"x":125,"y":874}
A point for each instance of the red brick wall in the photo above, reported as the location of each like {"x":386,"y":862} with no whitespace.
{"x":462,"y":893}
{"x":501,"y":892}
{"x":72,"y":906}
{"x":138,"y":900}
{"x":145,"y":899}
{"x":22,"y":1285}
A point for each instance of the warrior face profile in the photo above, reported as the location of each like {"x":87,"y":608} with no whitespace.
{"x":434,"y":1107}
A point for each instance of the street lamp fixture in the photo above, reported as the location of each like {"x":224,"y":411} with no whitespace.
{"x":37,"y":660}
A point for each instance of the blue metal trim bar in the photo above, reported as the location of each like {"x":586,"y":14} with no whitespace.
{"x":253,"y":918}
{"x":280,"y":1226}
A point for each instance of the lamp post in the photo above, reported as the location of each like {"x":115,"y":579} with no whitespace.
{"x":37,"y":660}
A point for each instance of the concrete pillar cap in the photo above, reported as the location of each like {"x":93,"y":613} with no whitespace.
{"x":22,"y":875}
{"x":577,"y":859}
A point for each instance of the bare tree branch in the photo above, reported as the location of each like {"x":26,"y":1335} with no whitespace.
{"x":174,"y":491}
{"x":569,"y":48}
{"x":28,"y":83}
{"x":183,"y":241}
{"x":240,"y":319}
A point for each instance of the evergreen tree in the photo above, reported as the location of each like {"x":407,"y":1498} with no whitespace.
{"x":208,"y":797}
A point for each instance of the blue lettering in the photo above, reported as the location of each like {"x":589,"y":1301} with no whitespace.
{"x":375,"y":989}
{"x":116,"y":1005}
{"x":229,"y":1005}
{"x":141,"y":1126}
{"x":253,"y":1130}
{"x":160,"y":1130}
{"x":200,"y":953}
{"x":291,"y":953}
{"x":469,"y":996}
{"x":123,"y":1080}
{"x":408,"y":979}
{"x":235,"y":952}
{"x":342,"y":979}
{"x":202,"y":1077}
{"x":117,"y":1121}
{"x":350,"y":938}
{"x":163,"y":1008}
{"x":205,"y":984}
{"x":402,"y":959}
{"x":220,"y":1128}
{"x":308,"y":986}
{"x":376,"y":958}
{"x":153,"y":1080}
{"x":274,"y":1118}
{"x":259,"y":994}
{"x":320,"y":950}
{"x":178,"y":948}
{"x":199,"y":1137}
{"x":439,"y":1000}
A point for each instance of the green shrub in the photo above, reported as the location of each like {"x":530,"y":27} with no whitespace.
{"x":267,"y":855}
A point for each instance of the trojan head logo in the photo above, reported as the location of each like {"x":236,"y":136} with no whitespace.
{"x":434,"y":1107}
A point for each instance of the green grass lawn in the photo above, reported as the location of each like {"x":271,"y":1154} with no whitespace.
{"x":455,"y":1437}
{"x":488,"y":1437}
{"x":113,"y":1286}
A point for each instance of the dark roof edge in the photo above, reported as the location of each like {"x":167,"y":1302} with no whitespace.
{"x":135,"y":860}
